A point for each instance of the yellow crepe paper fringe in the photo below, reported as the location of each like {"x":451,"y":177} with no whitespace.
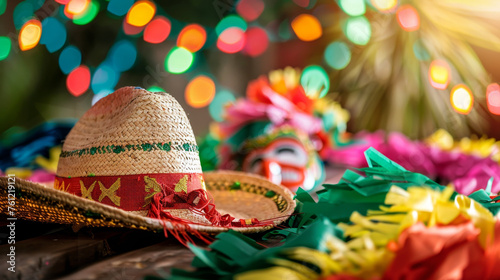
{"x":482,"y":147}
{"x":418,"y":204}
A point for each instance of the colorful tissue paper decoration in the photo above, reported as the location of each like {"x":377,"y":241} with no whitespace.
{"x":33,"y":154}
{"x":480,"y":147}
{"x":389,"y":224}
{"x":468,"y":165}
{"x":282,"y":130}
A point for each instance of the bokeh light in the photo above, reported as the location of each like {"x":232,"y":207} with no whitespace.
{"x":250,"y":10}
{"x":155,"y":89}
{"x":88,"y":15}
{"x":104,"y":78}
{"x":358,"y":30}
{"x":232,"y":21}
{"x":178,"y":60}
{"x":493,"y":98}
{"x":98,"y":96}
{"x":130,"y":29}
{"x":78,"y":81}
{"x":119,"y":7}
{"x":439,"y":74}
{"x":420,"y":51}
{"x":353,"y":7}
{"x":22,"y":13}
{"x":69,"y":59}
{"x":192,"y":37}
{"x":53,"y":35}
{"x":63,"y":2}
{"x":3,"y":6}
{"x":157,"y":30}
{"x":123,"y":55}
{"x":5,"y":47}
{"x":30,"y":34}
{"x":315,"y":81}
{"x":257,"y":41}
{"x":76,"y":7}
{"x":385,"y":6}
{"x":232,"y":40}
{"x":308,"y":4}
{"x":307,"y":27}
{"x":141,"y":13}
{"x":462,"y":99}
{"x":408,"y":18}
{"x":337,"y":55}
{"x":37,"y":4}
{"x":220,"y":101}
{"x":284,"y":30}
{"x":200,"y":91}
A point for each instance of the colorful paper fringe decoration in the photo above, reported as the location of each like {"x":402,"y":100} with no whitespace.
{"x":395,"y":224}
{"x":33,"y":154}
{"x":467,"y":165}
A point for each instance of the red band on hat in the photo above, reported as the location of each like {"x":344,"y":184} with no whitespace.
{"x":132,"y":192}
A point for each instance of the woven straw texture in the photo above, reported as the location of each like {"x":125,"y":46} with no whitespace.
{"x":132,"y":131}
{"x":255,"y":197}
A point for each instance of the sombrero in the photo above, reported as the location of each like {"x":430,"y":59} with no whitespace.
{"x":132,"y":161}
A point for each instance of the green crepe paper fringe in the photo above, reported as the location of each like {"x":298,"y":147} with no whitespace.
{"x":355,"y":192}
{"x":233,"y":253}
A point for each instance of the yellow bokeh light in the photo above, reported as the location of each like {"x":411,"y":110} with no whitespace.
{"x":76,"y":7}
{"x":386,"y":6}
{"x":307,"y":27}
{"x":439,"y":74}
{"x":200,"y":91}
{"x":141,"y":13}
{"x":30,"y":34}
{"x":461,"y":99}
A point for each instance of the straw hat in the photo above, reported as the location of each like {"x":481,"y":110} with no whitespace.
{"x":132,"y":161}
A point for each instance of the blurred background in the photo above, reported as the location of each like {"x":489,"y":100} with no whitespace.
{"x":408,"y":66}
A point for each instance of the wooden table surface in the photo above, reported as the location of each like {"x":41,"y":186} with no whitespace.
{"x":52,"y":251}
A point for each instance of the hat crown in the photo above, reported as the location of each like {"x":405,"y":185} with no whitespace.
{"x":132,"y":131}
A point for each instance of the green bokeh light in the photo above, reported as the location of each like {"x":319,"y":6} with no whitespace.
{"x":420,"y":52}
{"x":89,"y":15}
{"x":231,"y":21}
{"x":284,"y":31}
{"x":315,"y":81}
{"x":216,"y":107}
{"x":155,"y":89}
{"x":178,"y":60}
{"x":358,"y":30}
{"x":5,"y":47}
{"x":353,"y":7}
{"x":3,"y":6}
{"x":337,"y":55}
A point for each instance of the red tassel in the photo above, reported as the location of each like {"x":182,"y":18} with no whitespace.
{"x":199,"y":202}
{"x":179,"y":227}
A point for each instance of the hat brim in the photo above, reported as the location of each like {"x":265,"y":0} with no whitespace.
{"x":255,"y":197}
